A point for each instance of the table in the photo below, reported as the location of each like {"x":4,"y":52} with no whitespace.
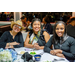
{"x":44,"y":56}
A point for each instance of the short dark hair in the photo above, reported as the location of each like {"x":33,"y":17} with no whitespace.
{"x":23,"y":17}
{"x":47,"y":20}
{"x":55,"y":37}
{"x":72,"y":19}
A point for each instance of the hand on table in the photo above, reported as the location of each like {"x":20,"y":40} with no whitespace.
{"x":36,"y":46}
{"x":57,"y":52}
{"x":14,"y":43}
{"x":60,"y":55}
{"x":11,"y":45}
{"x":54,"y":52}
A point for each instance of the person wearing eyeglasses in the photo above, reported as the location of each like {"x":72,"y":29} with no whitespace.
{"x":13,"y":38}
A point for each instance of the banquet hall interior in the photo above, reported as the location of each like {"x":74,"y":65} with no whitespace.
{"x":7,"y":17}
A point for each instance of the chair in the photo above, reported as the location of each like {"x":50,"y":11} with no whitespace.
{"x":24,"y":35}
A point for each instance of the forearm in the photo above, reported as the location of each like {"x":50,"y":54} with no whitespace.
{"x":47,"y":49}
{"x":69,"y":55}
{"x":20,"y":45}
{"x":29,"y":45}
{"x":41,"y":47}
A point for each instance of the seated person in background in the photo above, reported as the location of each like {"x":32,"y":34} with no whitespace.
{"x":71,"y":27}
{"x":13,"y":38}
{"x":36,"y":38}
{"x":24,"y":19}
{"x":63,"y":45}
{"x":47,"y":25}
{"x":24,"y":22}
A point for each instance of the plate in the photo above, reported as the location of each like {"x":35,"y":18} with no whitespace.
{"x":21,"y":52}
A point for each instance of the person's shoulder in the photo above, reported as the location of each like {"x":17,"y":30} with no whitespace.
{"x":6,"y":32}
{"x":69,"y":25}
{"x":44,"y":30}
{"x":45,"y":33}
{"x":30,"y":33}
{"x":71,"y":39}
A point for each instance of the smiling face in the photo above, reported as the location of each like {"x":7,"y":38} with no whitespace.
{"x":16,"y":28}
{"x":36,"y":26}
{"x":60,"y":30}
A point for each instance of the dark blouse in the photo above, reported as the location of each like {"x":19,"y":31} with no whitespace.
{"x":7,"y":37}
{"x":41,"y":39}
{"x":68,"y":47}
{"x":71,"y":30}
{"x":48,"y":27}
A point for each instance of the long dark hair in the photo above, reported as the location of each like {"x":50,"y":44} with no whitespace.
{"x":55,"y":36}
{"x":33,"y":20}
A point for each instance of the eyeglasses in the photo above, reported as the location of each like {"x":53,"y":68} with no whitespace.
{"x":18,"y":26}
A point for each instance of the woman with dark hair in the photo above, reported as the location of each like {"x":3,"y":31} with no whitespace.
{"x":47,"y":25}
{"x":36,"y":38}
{"x":63,"y":45}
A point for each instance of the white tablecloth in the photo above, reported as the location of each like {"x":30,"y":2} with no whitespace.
{"x":44,"y":56}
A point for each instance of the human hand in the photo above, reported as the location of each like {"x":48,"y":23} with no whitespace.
{"x":60,"y":55}
{"x":54,"y":52}
{"x":11,"y":44}
{"x":9,"y":47}
{"x":14,"y":43}
{"x":36,"y":46}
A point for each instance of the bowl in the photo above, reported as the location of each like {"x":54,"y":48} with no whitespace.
{"x":32,"y":53}
{"x":37,"y":57}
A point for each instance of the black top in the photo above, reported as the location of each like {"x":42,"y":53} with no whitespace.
{"x":41,"y":39}
{"x":71,"y":30}
{"x":48,"y":27}
{"x":68,"y":47}
{"x":7,"y":37}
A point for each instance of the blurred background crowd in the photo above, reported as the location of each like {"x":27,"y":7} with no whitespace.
{"x":48,"y":19}
{"x":53,"y":16}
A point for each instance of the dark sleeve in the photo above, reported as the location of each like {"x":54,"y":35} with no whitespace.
{"x":48,"y":45}
{"x":68,"y":29}
{"x":48,"y":28}
{"x":3,"y":39}
{"x":71,"y":55}
{"x":21,"y":41}
{"x":71,"y":30}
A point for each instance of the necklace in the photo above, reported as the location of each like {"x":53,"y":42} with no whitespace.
{"x":12,"y":34}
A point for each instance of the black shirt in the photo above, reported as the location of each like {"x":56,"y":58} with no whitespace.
{"x":41,"y":40}
{"x":7,"y":37}
{"x":71,"y":30}
{"x":68,"y":47}
{"x":48,"y":27}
